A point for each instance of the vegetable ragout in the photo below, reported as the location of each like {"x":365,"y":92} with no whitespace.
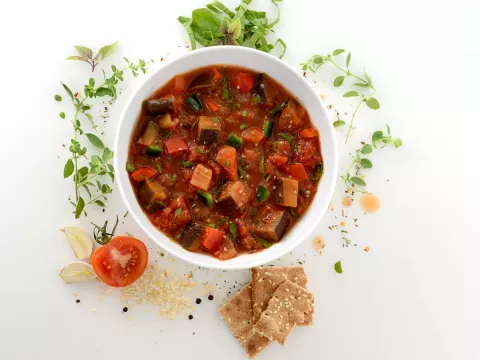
{"x":224,"y":160}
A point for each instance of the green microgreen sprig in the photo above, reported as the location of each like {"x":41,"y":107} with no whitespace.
{"x":216,"y":24}
{"x":362,"y":82}
{"x":353,"y":180}
{"x":86,"y":178}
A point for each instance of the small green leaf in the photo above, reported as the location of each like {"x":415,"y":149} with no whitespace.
{"x":90,"y":118}
{"x":338,"y":123}
{"x":99,"y":203}
{"x":338,"y":81}
{"x":349,"y":57}
{"x":235,"y":29}
{"x":366,"y":149}
{"x":106,"y":189}
{"x":79,"y":207}
{"x":351,"y":93}
{"x":84,"y":51}
{"x":57,"y":98}
{"x":178,"y":211}
{"x":373,"y":103}
{"x":338,"y":267}
{"x":233,"y":230}
{"x":377,"y":135}
{"x":397,"y":143}
{"x":367,"y":164}
{"x":361,"y":85}
{"x":62,"y":115}
{"x":106,"y":51}
{"x":318,"y":60}
{"x":338,"y":52}
{"x":68,"y":169}
{"x":78,"y":58}
{"x":107,"y":155}
{"x":358,"y":181}
{"x":95,"y":141}
{"x":103,"y":91}
{"x":244,"y":113}
{"x":388,"y":129}
{"x":69,"y":92}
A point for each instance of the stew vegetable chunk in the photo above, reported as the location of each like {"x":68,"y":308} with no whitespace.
{"x":224,"y":160}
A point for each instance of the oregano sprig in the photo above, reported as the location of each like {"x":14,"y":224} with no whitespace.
{"x":87,"y":177}
{"x":354,"y":181}
{"x":363,"y":83}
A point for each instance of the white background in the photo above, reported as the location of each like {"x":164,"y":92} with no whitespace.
{"x":415,"y":295}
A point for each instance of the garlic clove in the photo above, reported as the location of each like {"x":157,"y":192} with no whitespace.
{"x":77,"y":272}
{"x":80,"y":241}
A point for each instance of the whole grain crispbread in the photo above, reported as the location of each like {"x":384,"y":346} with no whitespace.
{"x":265,"y":280}
{"x":237,"y":313}
{"x":290,"y":305}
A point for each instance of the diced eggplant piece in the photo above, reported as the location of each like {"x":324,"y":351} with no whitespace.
{"x":201,"y":82}
{"x":149,"y":135}
{"x":192,"y":237}
{"x":160,"y":106}
{"x":274,"y":224}
{"x":286,"y":192}
{"x":289,"y":119}
{"x":233,"y":198}
{"x":151,"y":193}
{"x":260,"y":91}
{"x":208,"y":130}
{"x":166,"y":122}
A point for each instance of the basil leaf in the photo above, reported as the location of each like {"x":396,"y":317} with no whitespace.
{"x":84,"y":51}
{"x":106,"y":51}
{"x":358,"y":181}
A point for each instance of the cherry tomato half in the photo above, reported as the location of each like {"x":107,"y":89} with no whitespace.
{"x":121,"y":262}
{"x":243,"y":81}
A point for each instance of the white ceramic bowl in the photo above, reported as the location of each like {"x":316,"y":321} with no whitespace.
{"x":296,"y":85}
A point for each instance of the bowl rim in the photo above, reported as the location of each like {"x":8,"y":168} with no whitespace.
{"x":184,"y":254}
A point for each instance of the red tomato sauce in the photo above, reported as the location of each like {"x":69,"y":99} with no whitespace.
{"x":224,"y":160}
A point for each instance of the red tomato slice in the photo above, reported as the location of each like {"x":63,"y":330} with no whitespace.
{"x":212,"y":238}
{"x":296,"y":171}
{"x":308,"y":133}
{"x":243,"y":81}
{"x":143,"y":173}
{"x":121,"y":262}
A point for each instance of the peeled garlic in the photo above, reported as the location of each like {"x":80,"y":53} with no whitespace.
{"x":80,"y":241}
{"x":77,"y":272}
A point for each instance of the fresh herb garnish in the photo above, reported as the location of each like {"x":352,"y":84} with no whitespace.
{"x":215,"y":119}
{"x":363,"y":81}
{"x":101,"y":234}
{"x":233,"y":230}
{"x":294,"y":214}
{"x":355,"y":180}
{"x":244,"y":113}
{"x":159,"y":168}
{"x":256,"y":99}
{"x":261,"y":166}
{"x":86,"y":54}
{"x":280,"y":107}
{"x":289,"y":139}
{"x":218,"y":25}
{"x":177,"y":212}
{"x":200,"y":150}
{"x":338,"y":267}
{"x":86,"y":177}
{"x":130,"y":167}
{"x":57,"y":98}
{"x":187,"y":163}
{"x":243,"y":126}
{"x":227,"y":163}
{"x":262,"y":241}
{"x":174,"y":179}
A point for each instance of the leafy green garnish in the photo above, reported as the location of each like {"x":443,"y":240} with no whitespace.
{"x":280,"y":107}
{"x":178,"y":211}
{"x":86,"y":178}
{"x":187,"y":163}
{"x":218,"y":25}
{"x":265,"y":243}
{"x":338,"y":267}
{"x":233,"y":230}
{"x":354,"y":181}
{"x":363,"y":81}
{"x":290,"y":140}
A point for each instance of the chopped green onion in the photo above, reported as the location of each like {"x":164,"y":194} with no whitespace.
{"x":130,"y":167}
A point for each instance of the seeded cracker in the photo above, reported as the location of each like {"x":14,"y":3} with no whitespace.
{"x":289,"y":306}
{"x":237,"y":313}
{"x":265,"y":280}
